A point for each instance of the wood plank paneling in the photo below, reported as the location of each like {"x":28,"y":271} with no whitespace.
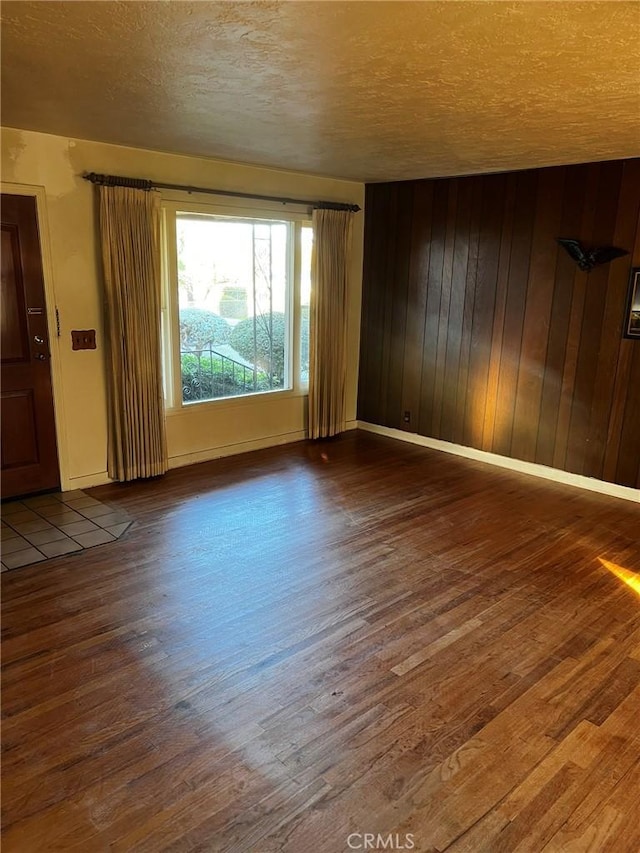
{"x":591,"y":332}
{"x":416,"y":299}
{"x":456,"y":310}
{"x":377,"y":216}
{"x":469,"y":305}
{"x":398,"y":314}
{"x":628,"y":470}
{"x":537,"y":314}
{"x":617,"y":286}
{"x":444,"y":327}
{"x":567,"y":394}
{"x":493,"y":202}
{"x":432,"y":314}
{"x":387,"y":264}
{"x":514,"y":317}
{"x":618,"y":417}
{"x":500,"y":309}
{"x":481,"y":327}
{"x":565,"y":273}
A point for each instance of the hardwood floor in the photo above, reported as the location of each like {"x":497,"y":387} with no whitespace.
{"x":302,"y":645}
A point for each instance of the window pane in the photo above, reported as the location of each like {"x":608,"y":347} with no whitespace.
{"x":232,"y":293}
{"x":305,"y":295}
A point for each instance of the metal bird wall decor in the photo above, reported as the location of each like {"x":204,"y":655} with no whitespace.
{"x":587,"y":260}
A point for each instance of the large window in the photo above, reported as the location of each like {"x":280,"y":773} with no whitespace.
{"x":236,"y":318}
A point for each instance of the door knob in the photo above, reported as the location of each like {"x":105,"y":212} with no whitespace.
{"x":41,"y":356}
{"x":38,"y":339}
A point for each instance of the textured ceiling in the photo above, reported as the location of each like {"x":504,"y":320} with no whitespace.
{"x":365,"y":90}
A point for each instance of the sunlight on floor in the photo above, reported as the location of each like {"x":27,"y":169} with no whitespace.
{"x":632,"y":579}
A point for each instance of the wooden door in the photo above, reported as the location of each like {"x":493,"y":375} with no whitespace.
{"x":28,"y":450}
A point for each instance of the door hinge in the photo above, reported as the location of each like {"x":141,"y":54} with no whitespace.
{"x":57,"y":322}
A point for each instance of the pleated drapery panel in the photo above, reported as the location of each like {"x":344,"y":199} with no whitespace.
{"x":130,"y":235}
{"x":328,"y":322}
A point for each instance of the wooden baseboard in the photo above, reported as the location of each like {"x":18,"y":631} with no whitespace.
{"x":532,"y":468}
{"x":88,"y":481}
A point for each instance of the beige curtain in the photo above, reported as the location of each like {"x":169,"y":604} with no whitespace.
{"x":328,"y":322}
{"x":130,"y":234}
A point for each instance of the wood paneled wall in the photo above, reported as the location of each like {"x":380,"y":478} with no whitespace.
{"x":480,"y":326}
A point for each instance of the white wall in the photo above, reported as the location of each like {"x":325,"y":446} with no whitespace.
{"x":53,"y":166}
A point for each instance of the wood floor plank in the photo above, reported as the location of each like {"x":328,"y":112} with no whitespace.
{"x":355,"y":636}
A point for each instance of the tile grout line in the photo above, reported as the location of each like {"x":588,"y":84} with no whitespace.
{"x":40,"y":511}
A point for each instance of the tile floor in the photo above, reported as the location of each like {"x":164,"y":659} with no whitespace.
{"x":47,"y":526}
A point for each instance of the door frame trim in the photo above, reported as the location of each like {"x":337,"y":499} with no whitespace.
{"x":40,"y":195}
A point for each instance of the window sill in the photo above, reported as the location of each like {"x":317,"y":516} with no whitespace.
{"x":239,"y":402}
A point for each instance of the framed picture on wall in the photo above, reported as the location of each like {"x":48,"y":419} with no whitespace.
{"x":632,"y":317}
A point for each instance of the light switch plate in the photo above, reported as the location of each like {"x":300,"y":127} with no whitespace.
{"x":84,"y":339}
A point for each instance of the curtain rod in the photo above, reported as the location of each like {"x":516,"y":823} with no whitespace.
{"x":143,"y":184}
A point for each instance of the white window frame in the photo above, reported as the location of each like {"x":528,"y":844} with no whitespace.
{"x":172,"y":205}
